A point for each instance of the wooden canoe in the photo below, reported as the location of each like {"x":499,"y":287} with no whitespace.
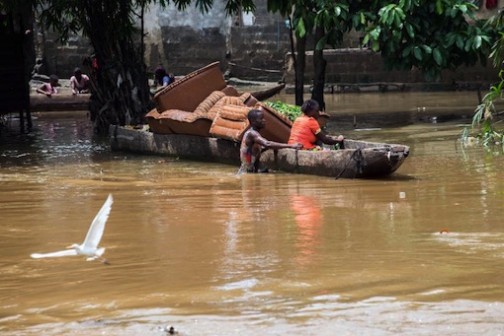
{"x":59,"y":102}
{"x":359,"y":159}
{"x":268,"y":92}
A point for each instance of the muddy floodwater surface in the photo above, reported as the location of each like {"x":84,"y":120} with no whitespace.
{"x":194,"y":246}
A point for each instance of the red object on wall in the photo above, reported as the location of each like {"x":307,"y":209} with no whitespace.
{"x":491,"y":4}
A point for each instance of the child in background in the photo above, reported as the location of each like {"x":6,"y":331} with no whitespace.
{"x":79,"y":83}
{"x":49,"y":88}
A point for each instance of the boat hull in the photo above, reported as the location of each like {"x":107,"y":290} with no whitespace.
{"x":360,"y":159}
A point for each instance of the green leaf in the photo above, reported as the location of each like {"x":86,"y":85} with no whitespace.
{"x":390,"y":17}
{"x":477,"y":42}
{"x":300,"y":28}
{"x":460,"y":42}
{"x":321,"y":43}
{"x":439,"y":7}
{"x":365,"y":40}
{"x":375,"y":46}
{"x":383,"y":11}
{"x":409,"y":29}
{"x":407,"y":51}
{"x":400,"y":13}
{"x":375,"y":33}
{"x":397,"y":19}
{"x":418,"y":53}
{"x":438,"y":58}
{"x":450,"y":39}
{"x":355,"y":21}
{"x":384,"y":15}
{"x":468,"y":45}
{"x":427,"y":49}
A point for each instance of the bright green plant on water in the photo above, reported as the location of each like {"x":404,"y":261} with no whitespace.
{"x":485,"y":112}
{"x":488,"y":130}
{"x":288,"y":110}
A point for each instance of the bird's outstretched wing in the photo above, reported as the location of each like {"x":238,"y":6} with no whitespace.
{"x":97,"y":227}
{"x":63,"y":253}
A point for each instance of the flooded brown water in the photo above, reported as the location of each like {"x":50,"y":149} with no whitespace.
{"x":194,"y":246}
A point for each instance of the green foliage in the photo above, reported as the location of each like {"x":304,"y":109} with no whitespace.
{"x":288,"y":110}
{"x":428,"y":35}
{"x":485,"y":112}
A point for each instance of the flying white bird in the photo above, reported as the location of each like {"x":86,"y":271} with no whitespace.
{"x":89,"y":247}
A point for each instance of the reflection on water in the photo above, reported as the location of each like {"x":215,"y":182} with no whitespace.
{"x":194,"y":246}
{"x":308,"y":219}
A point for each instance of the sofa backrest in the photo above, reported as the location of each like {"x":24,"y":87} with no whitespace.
{"x":188,"y":92}
{"x":277,"y":125}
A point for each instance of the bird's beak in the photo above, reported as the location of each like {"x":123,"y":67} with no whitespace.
{"x":69,"y":247}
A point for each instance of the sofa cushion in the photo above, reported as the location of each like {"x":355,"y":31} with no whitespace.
{"x":230,"y":122}
{"x":226,"y":100}
{"x":209,"y":102}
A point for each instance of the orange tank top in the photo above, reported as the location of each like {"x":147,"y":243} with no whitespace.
{"x":304,"y":131}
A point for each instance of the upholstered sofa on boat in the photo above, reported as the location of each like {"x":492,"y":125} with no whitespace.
{"x":202,"y":104}
{"x":197,"y":122}
{"x":183,"y":106}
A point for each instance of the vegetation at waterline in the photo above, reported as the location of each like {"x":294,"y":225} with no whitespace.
{"x":486,"y":129}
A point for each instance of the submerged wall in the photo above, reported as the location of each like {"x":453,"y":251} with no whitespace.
{"x":356,"y":69}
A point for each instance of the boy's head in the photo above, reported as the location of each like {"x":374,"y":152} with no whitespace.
{"x":53,"y":79}
{"x":256,"y":118}
{"x":310,"y":108}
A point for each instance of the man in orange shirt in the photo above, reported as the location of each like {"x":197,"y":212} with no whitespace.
{"x":306,"y":129}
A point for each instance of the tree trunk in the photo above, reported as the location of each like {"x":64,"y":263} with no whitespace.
{"x":119,"y":85}
{"x":300,"y":69}
{"x":319,"y":64}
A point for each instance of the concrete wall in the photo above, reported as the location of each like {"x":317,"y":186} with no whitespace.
{"x":185,"y":41}
{"x":355,"y":65}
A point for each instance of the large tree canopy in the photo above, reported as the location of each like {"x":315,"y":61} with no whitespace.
{"x":430,"y":35}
